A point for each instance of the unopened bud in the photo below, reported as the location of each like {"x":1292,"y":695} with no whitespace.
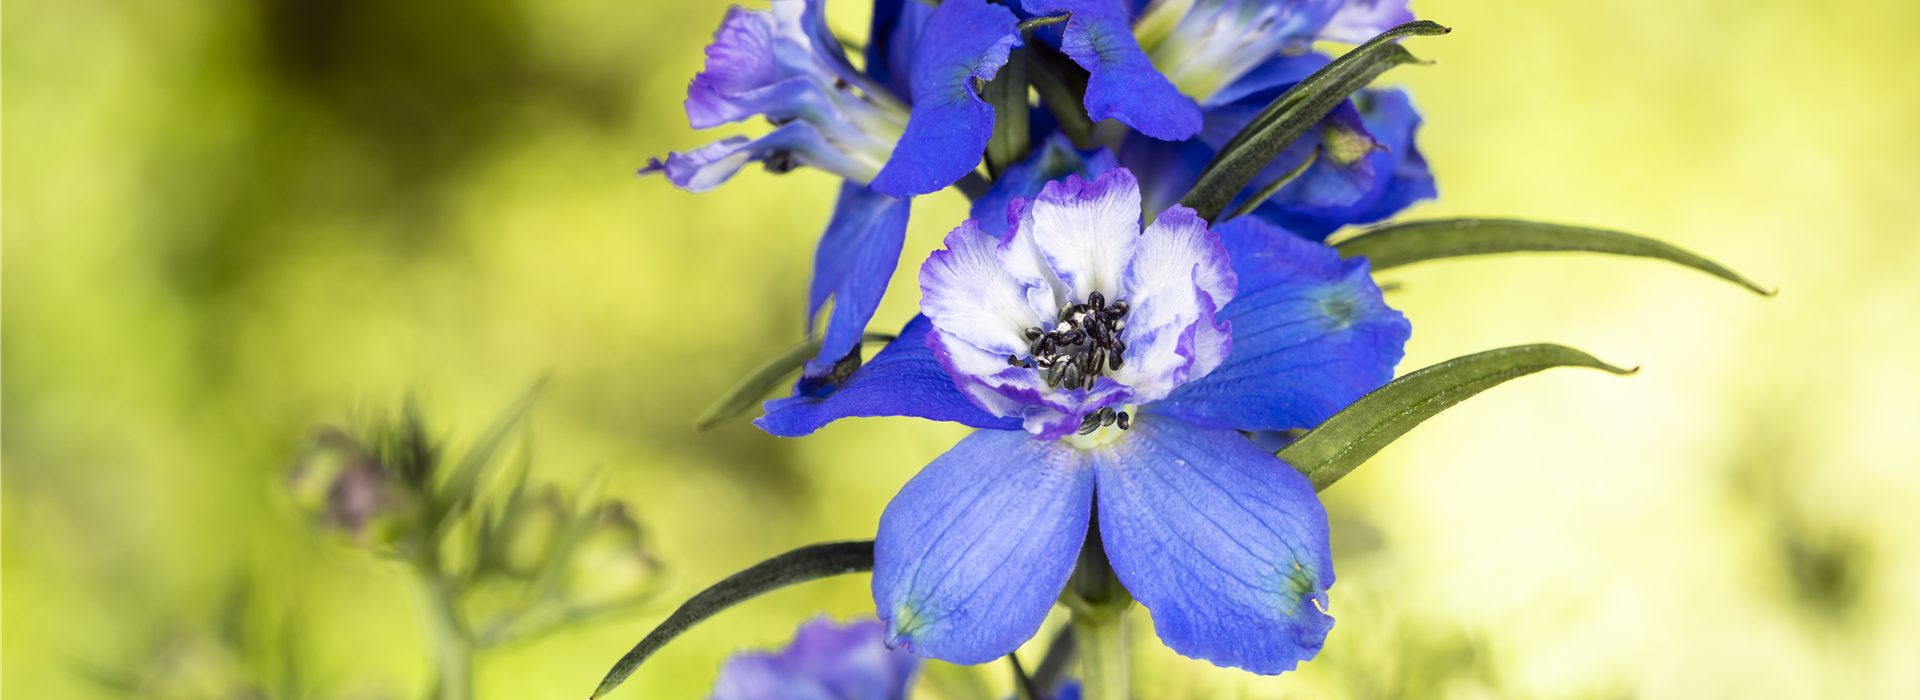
{"x":529,"y":533}
{"x":610,"y":565}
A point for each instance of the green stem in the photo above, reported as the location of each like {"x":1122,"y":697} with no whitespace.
{"x":453,"y":645}
{"x":1099,"y":604}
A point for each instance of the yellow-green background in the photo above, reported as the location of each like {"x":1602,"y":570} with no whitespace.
{"x":227,"y":221}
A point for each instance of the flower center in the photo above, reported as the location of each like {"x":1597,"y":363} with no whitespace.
{"x":1083,"y":346}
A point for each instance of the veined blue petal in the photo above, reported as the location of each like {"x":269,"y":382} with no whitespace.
{"x":891,"y":42}
{"x":705,"y":168}
{"x":1178,"y":279}
{"x":1400,"y":174}
{"x":1225,"y":544}
{"x":904,"y":379}
{"x":975,"y":548}
{"x":853,"y":264}
{"x":1311,"y":333}
{"x":1215,"y":43}
{"x":1361,"y":20}
{"x":1054,"y":159}
{"x":950,"y":124}
{"x":824,"y":662}
{"x":1122,"y":84}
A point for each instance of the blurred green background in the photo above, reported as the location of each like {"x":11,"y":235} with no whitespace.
{"x":228,"y":221}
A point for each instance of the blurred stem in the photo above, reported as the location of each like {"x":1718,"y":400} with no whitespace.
{"x":1099,"y":604}
{"x":453,"y":645}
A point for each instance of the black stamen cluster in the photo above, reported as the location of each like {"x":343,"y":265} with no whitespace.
{"x":1082,"y":347}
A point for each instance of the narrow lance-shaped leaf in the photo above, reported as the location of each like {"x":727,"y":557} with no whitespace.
{"x":1362,"y":429}
{"x":1295,"y":111}
{"x":1415,"y":241}
{"x":763,"y":379}
{"x":805,"y":564}
{"x":460,"y":485}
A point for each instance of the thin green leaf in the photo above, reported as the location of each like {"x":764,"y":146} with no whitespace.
{"x":1357,"y":432}
{"x":745,"y":394}
{"x":1007,"y":92}
{"x":1260,"y":197}
{"x":1062,"y":85}
{"x":798,"y":566}
{"x":1415,"y":241}
{"x":1293,"y":112}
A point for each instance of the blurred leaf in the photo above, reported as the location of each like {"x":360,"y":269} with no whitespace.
{"x":459,"y":488}
{"x":798,"y":566}
{"x":1357,"y":432}
{"x":763,"y":379}
{"x":1295,"y":111}
{"x":1415,"y":241}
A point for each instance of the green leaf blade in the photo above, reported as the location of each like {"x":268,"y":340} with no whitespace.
{"x":1418,"y":241}
{"x":1343,"y":442}
{"x":805,"y":564}
{"x":763,"y":380}
{"x":1294,"y":112}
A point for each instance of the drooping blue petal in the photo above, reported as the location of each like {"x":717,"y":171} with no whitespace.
{"x":904,"y":379}
{"x":975,"y":548}
{"x":853,"y":264}
{"x":1122,"y":82}
{"x":950,"y":124}
{"x":1054,"y":159}
{"x":1311,"y":333}
{"x":1277,"y":71}
{"x":824,"y":662}
{"x":1225,"y":544}
{"x":891,"y":42}
{"x":709,"y":166}
{"x":1400,"y":174}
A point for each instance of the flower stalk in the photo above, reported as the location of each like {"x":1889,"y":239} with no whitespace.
{"x":452,"y":643}
{"x":1099,"y":604}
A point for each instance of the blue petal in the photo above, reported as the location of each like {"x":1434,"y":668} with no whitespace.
{"x":1277,"y":71}
{"x":891,"y":42}
{"x":975,"y":549}
{"x":1311,"y":333}
{"x":905,"y":379}
{"x":1123,"y":84}
{"x":853,"y":264}
{"x":950,"y":124}
{"x":1054,"y":159}
{"x":1223,"y":542}
{"x":1400,"y":174}
{"x":709,"y":166}
{"x":1167,"y":169}
{"x":824,"y":662}
{"x":1361,"y":20}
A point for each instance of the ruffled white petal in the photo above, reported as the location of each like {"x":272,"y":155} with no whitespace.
{"x":1179,"y":276}
{"x":1087,"y":230}
{"x":973,"y":298}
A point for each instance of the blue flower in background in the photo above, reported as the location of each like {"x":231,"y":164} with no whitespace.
{"x":1116,"y":367}
{"x":825,"y":662}
{"x":909,"y":125}
{"x":1153,"y":66}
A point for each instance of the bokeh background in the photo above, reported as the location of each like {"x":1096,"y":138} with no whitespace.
{"x":228,"y":221}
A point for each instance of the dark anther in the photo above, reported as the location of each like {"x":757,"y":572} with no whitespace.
{"x":779,"y":162}
{"x":1114,"y":362}
{"x":1096,"y":301}
{"x":1089,"y":424}
{"x":1071,"y":377}
{"x":1107,"y":416}
{"x":1056,"y":373}
{"x":1034,"y":334}
{"x":1119,"y":308}
{"x":840,"y":84}
{"x":1066,"y":311}
{"x":1119,"y":324}
{"x":1014,"y":360}
{"x":1123,"y":422}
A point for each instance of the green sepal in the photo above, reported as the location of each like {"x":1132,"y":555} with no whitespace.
{"x":1340,"y":443}
{"x":1415,"y":241}
{"x":1294,"y":112}
{"x":808,"y":563}
{"x":763,"y":379}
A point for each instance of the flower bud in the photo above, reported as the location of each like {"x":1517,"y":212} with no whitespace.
{"x":342,"y":486}
{"x":529,"y":532}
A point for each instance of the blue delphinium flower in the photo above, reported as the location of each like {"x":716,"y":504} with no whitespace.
{"x":1114,"y":365}
{"x":910,"y":124}
{"x":825,"y":662}
{"x":1153,"y":66}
